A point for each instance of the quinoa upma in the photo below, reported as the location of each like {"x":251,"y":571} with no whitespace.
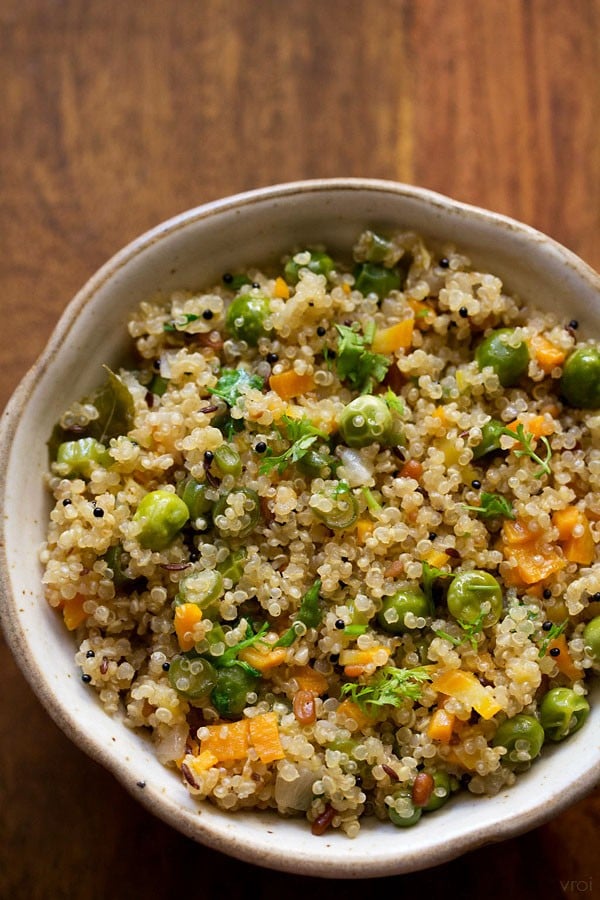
{"x":333,"y":543}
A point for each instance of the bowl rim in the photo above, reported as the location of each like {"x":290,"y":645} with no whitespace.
{"x":155,"y":801}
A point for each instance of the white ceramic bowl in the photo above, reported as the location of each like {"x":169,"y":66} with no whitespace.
{"x":192,"y":250}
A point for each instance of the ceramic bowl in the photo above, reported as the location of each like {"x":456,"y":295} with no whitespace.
{"x":191,"y":250}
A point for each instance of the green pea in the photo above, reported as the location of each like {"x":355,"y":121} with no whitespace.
{"x":344,"y":511}
{"x":580,"y":382}
{"x":591,"y":638}
{"x":246,"y":317}
{"x":228,"y":460}
{"x":468,"y":592}
{"x":234,"y":526}
{"x":193,"y":494}
{"x":229,"y":696}
{"x":202,"y":588}
{"x":523,"y":737}
{"x":509,"y":363}
{"x":491,"y":433}
{"x":409,"y":599}
{"x":80,"y":456}
{"x":442,"y":791}
{"x":161,"y":515}
{"x":405,"y":821}
{"x":361,"y":767}
{"x":193,"y":677}
{"x":372,"y":278}
{"x":319,"y":263}
{"x":232,"y":566}
{"x":366,"y":420}
{"x":562,"y":713}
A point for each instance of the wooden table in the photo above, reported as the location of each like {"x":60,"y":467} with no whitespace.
{"x":118,"y":114}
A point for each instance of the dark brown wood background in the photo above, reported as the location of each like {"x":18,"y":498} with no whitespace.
{"x":117,"y":114}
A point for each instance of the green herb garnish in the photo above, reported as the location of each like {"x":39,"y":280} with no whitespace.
{"x":395,"y":403}
{"x":229,"y":658}
{"x":370,"y":500}
{"x":390,"y":687}
{"x":470,"y":629}
{"x":429,"y":576}
{"x":179,"y":322}
{"x":492,"y":505}
{"x":302,"y":434}
{"x":232,"y":383}
{"x":309,"y":615}
{"x":554,"y":632}
{"x":526,"y":439}
{"x":355,"y":363}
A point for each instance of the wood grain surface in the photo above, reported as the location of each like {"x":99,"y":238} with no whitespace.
{"x":117,"y":114}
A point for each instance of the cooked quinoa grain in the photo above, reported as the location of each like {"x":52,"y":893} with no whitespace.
{"x":334,"y":541}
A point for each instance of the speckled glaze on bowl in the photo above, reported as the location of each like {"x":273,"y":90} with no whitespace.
{"x":192,"y":250}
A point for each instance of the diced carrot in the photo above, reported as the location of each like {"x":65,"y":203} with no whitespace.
{"x":535,"y":561}
{"x":263,"y":660}
{"x":227,"y":741}
{"x":441,"y":726}
{"x":436,"y":558}
{"x":264,"y":736}
{"x":281,"y":289}
{"x":73,"y":613}
{"x":308,"y":679}
{"x":466,"y":687}
{"x":364,"y":657}
{"x":538,"y":426}
{"x":349,"y":710}
{"x":346,"y":287}
{"x":564,"y":660}
{"x":201,"y":763}
{"x":187,"y":616}
{"x":412,"y":468}
{"x":364,"y":527}
{"x":424,"y":314}
{"x":517,"y":532}
{"x":396,"y":337}
{"x":578,"y":547}
{"x":565,"y":520}
{"x":547,"y":355}
{"x":289,"y":384}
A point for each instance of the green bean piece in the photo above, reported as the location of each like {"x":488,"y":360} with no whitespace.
{"x":229,"y":696}
{"x":158,"y":385}
{"x":80,"y":457}
{"x":468,"y":591}
{"x":591,"y":638}
{"x":509,"y":363}
{"x":228,"y":460}
{"x":319,"y":263}
{"x":523,"y":737}
{"x":343,"y":511}
{"x":245,"y":318}
{"x":442,"y":791}
{"x":562,"y":713}
{"x":232,"y":566}
{"x":375,"y":247}
{"x":203,"y":588}
{"x":408,"y":599}
{"x":491,"y":433}
{"x":372,"y":278}
{"x":580,"y":382}
{"x":309,"y":615}
{"x":366,"y":420}
{"x":405,"y":821}
{"x":114,"y":560}
{"x":315,"y":462}
{"x":233,"y":526}
{"x":193,"y":494}
{"x":161,"y":515}
{"x":193,"y":677}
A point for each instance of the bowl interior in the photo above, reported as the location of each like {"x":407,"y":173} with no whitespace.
{"x":192,"y":251}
